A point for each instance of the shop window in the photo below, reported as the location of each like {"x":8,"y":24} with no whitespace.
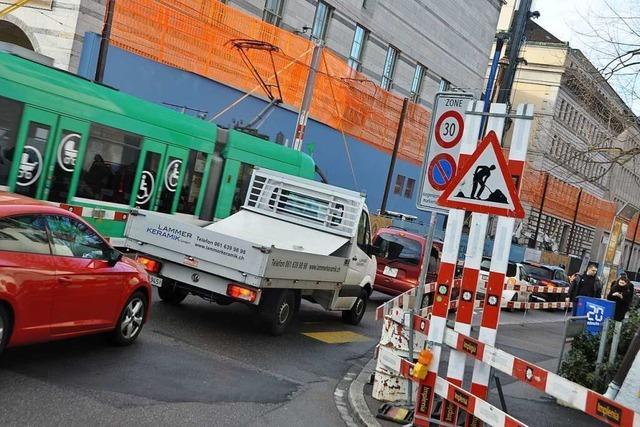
{"x":408,"y":192}
{"x":399,"y":184}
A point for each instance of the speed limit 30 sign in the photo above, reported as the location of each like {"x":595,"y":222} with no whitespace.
{"x":443,"y":148}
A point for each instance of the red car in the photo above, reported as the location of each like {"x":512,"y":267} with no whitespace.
{"x":60,"y":279}
{"x":399,"y":255}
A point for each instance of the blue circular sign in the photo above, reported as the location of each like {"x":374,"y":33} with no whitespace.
{"x":441,"y":171}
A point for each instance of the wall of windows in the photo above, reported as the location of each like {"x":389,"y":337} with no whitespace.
{"x":357,"y":47}
{"x":321,"y":21}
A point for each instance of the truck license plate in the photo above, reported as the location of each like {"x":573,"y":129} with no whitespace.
{"x":155,"y":281}
{"x":390,"y":271}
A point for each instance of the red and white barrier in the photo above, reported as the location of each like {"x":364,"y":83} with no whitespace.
{"x":448,"y":262}
{"x":538,"y":289}
{"x":470,"y":273}
{"x":500,"y":254}
{"x":572,"y":394}
{"x":535,"y":305}
{"x":443,"y":388}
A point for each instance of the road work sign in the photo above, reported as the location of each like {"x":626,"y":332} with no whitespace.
{"x":483,"y":183}
{"x":443,"y":147}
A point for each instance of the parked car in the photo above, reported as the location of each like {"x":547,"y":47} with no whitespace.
{"x":514,"y":276}
{"x":399,"y":255}
{"x":61,"y":279}
{"x":546,"y":275}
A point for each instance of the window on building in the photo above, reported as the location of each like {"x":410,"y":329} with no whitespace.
{"x":397,"y":189}
{"x":10,"y":114}
{"x":273,"y":11}
{"x":389,"y":68}
{"x":408,"y":192}
{"x":321,"y":21}
{"x":445,"y":85}
{"x":110,"y":164}
{"x":357,"y":47}
{"x":561,"y":109}
{"x":416,"y":84}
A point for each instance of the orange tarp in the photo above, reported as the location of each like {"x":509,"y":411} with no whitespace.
{"x":562,"y":198}
{"x":194,"y":35}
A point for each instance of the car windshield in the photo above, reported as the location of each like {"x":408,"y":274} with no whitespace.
{"x":395,"y":247}
{"x":538,"y":272}
{"x":485,"y":265}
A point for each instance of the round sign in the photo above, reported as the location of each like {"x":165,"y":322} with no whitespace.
{"x":172,"y":175}
{"x":68,"y":152}
{"x":449,"y":128}
{"x":441,"y":171}
{"x":30,"y":166}
{"x":145,"y":191}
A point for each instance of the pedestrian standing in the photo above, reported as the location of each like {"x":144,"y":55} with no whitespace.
{"x":622,"y":294}
{"x":586,"y":285}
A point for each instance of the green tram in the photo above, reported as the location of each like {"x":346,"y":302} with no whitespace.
{"x":100,"y":152}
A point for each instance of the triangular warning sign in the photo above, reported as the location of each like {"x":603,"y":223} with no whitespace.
{"x":482,"y":184}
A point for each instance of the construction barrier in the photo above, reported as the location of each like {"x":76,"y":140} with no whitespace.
{"x":571,"y":394}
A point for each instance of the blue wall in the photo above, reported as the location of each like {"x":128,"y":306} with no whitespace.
{"x":160,"y":83}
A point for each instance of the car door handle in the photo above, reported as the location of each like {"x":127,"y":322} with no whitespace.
{"x":64,"y":280}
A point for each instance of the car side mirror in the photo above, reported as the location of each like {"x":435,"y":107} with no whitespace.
{"x":113,"y":257}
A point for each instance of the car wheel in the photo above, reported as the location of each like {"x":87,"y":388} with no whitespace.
{"x":131,"y":320}
{"x":5,"y":327}
{"x":171,"y":294}
{"x":277,"y":309}
{"x":355,"y":315}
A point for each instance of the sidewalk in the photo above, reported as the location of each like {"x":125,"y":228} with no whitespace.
{"x":536,"y":341}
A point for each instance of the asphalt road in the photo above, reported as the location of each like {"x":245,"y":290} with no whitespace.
{"x":194,"y":364}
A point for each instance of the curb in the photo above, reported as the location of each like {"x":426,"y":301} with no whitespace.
{"x":349,"y":395}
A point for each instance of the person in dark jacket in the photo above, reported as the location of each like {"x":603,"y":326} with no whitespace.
{"x":586,"y":285}
{"x":622,"y":294}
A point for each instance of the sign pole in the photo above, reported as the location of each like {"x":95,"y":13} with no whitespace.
{"x":417,"y":305}
{"x":500,"y":256}
{"x":470,"y":274}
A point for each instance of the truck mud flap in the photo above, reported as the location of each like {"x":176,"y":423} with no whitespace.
{"x":350,"y":291}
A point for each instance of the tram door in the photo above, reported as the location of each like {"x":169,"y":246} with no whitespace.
{"x":159,"y":176}
{"x":47,"y":151}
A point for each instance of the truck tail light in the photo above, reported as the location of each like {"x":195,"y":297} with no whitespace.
{"x":151,"y":265}
{"x":241,"y":293}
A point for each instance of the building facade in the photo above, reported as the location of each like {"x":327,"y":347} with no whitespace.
{"x":409,"y":48}
{"x":581,"y":129}
{"x":53,"y":28}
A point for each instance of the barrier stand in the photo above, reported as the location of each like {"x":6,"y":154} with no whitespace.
{"x":572,"y":394}
{"x":470,"y":273}
{"x":445,"y":278}
{"x":500,"y":254}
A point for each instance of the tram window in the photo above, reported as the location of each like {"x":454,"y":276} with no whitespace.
{"x":65,"y":163}
{"x":10,"y":114}
{"x":192,"y":182}
{"x":242,"y":186}
{"x":110,"y":164}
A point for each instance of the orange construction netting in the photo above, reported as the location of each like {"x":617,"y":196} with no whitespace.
{"x":194,"y":35}
{"x":562,"y":198}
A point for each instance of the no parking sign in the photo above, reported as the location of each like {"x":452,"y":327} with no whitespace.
{"x":443,"y":148}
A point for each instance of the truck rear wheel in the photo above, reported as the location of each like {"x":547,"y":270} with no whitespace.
{"x":171,"y":294}
{"x":355,"y":315}
{"x":277,"y":309}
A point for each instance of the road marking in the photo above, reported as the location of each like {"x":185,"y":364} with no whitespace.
{"x":337,"y":337}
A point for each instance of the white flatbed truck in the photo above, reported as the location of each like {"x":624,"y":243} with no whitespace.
{"x":293,"y":239}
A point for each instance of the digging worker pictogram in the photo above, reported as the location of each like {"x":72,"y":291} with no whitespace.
{"x":480,"y":177}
